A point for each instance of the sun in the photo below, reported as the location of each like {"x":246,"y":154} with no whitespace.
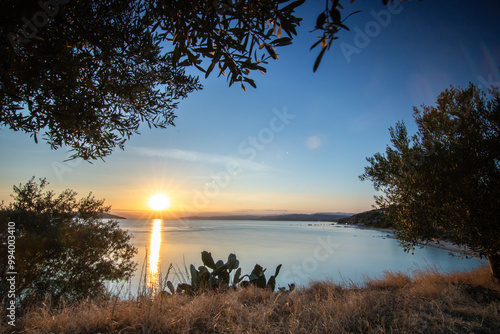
{"x":159,"y":202}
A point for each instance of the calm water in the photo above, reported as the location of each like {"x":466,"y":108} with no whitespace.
{"x":308,"y":251}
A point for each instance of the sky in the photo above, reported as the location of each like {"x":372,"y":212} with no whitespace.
{"x":298,"y":142}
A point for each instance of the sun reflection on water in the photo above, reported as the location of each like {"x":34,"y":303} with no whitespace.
{"x":154,"y":256}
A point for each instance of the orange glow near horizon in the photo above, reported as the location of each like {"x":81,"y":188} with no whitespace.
{"x":183,"y":203}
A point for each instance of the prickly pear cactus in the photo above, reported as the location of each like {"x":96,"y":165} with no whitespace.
{"x":220,"y":276}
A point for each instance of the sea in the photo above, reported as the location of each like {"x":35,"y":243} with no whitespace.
{"x":307,"y":251}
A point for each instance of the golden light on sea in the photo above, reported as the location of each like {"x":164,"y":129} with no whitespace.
{"x":154,"y":256}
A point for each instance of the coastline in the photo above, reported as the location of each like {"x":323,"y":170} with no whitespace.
{"x":441,"y":244}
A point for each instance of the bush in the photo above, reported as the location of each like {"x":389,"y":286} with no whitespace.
{"x":63,"y":246}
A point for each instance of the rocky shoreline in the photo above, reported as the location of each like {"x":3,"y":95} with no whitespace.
{"x":441,"y":244}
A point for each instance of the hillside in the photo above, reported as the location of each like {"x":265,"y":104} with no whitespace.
{"x":372,"y":218}
{"x":104,"y":215}
{"x":110,"y":216}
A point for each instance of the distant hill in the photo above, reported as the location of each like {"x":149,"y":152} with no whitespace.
{"x":324,"y":217}
{"x":110,"y":216}
{"x":372,"y":218}
{"x":105,"y":216}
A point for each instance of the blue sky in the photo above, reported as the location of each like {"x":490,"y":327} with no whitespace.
{"x":300,"y":140}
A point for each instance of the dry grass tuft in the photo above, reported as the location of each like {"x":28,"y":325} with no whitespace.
{"x":427,"y":303}
{"x":390,"y":280}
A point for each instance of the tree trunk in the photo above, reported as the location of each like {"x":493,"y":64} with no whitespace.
{"x":494,"y":261}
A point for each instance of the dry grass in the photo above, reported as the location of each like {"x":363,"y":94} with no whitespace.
{"x":427,"y":303}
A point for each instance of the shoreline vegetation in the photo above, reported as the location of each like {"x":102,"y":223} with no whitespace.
{"x":376,"y":220}
{"x":427,"y":302}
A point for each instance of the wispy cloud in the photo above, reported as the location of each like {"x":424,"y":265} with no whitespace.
{"x":200,"y":157}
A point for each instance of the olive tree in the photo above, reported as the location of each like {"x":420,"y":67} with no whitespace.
{"x":63,"y":246}
{"x":444,"y":181}
{"x":87,"y":73}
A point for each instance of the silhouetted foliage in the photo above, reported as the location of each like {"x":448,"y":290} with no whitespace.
{"x":330,"y":22}
{"x":446,"y":178}
{"x":87,"y":73}
{"x":63,"y":248}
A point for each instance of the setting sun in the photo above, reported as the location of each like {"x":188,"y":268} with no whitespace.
{"x":159,"y":202}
